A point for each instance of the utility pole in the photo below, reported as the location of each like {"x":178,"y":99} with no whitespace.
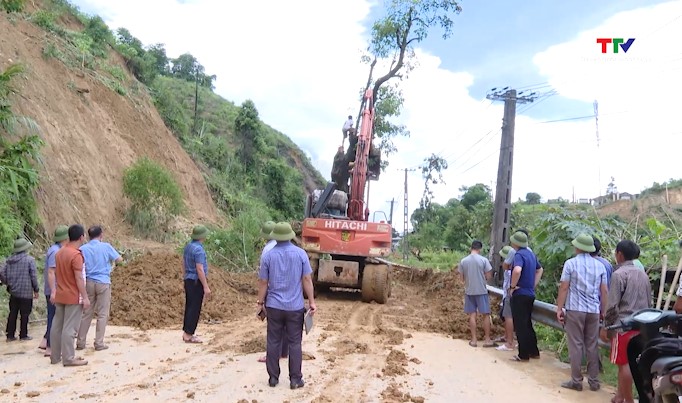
{"x":196,"y":97}
{"x":596,"y":126}
{"x":502,"y":210}
{"x":406,"y":249}
{"x":390,"y":215}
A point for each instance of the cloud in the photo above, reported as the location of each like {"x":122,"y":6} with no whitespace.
{"x":300,"y":65}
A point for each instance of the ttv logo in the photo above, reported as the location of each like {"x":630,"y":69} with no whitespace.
{"x":625,"y":45}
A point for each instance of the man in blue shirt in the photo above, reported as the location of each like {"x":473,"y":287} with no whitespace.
{"x":98,"y":257}
{"x":195,"y":275}
{"x":266,"y":229}
{"x":597,"y":255}
{"x":526,"y":275}
{"x":61,"y":236}
{"x":284,"y":274}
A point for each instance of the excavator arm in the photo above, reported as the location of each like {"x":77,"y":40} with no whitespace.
{"x":357,"y":209}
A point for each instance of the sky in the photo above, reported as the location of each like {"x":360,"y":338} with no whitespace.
{"x":300,"y":64}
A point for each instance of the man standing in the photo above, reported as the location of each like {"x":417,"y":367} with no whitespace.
{"x":284,"y":274}
{"x":195,"y":275}
{"x":19,"y":273}
{"x":597,"y":255}
{"x":98,"y":256}
{"x":629,"y":292}
{"x":347,"y":126}
{"x":70,"y":299}
{"x":266,"y":229}
{"x":475,"y":269}
{"x":526,"y":275}
{"x":506,"y":305}
{"x":583,"y":292}
{"x":61,"y":236}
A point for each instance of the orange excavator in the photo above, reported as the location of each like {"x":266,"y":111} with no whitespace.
{"x":346,"y":249}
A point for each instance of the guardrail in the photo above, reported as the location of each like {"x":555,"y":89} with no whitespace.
{"x":542,"y":313}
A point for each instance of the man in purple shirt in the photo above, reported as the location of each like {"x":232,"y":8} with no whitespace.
{"x":284,"y":274}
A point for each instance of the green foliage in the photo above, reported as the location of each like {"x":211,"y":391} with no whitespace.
{"x":660,"y":187}
{"x":155,"y":198}
{"x":18,"y":176}
{"x":533,"y":198}
{"x":44,"y":19}
{"x":12,"y":6}
{"x":238,"y":248}
{"x":283,"y":189}
{"x":97,"y":30}
{"x":247,"y":126}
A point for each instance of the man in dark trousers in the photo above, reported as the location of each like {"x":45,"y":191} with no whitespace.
{"x":284,"y":274}
{"x":19,"y":273}
{"x":61,"y":237}
{"x":526,"y":275}
{"x":195,"y":274}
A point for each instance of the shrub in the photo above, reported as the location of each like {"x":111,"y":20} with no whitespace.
{"x":44,"y":19}
{"x":10,"y":226}
{"x":238,"y":248}
{"x":12,"y":6}
{"x":155,"y":199}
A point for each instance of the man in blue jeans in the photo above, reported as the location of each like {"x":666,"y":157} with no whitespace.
{"x":526,"y":275}
{"x":284,"y":274}
{"x":61,"y":236}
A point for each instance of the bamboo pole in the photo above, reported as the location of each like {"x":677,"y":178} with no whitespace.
{"x":673,"y":286}
{"x":661,"y":286}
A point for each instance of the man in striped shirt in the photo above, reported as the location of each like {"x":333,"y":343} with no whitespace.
{"x":284,"y":275}
{"x":583,"y":293}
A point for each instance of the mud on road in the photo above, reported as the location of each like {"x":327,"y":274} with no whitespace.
{"x":404,"y":351}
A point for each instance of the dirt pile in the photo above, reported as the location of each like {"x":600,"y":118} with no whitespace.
{"x":91,"y":133}
{"x":148,"y":293}
{"x":428,"y":300}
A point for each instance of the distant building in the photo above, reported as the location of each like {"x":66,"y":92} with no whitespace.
{"x":610,"y":198}
{"x":583,"y":201}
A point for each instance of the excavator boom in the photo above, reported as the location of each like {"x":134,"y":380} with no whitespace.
{"x":357,"y":210}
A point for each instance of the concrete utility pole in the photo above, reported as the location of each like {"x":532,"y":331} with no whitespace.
{"x":502,"y":210}
{"x":390,"y":215}
{"x":406,"y":217}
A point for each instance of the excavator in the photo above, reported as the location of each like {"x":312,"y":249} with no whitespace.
{"x":345,"y":248}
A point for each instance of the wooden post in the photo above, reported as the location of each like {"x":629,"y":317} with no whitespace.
{"x":661,"y":286}
{"x":673,"y":286}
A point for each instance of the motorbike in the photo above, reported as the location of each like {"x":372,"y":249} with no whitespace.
{"x":660,"y":361}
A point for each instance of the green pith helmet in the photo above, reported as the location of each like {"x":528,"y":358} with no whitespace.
{"x":282,"y":232}
{"x":266,"y":228}
{"x":504,"y":252}
{"x":519,"y":239}
{"x":584,"y":243}
{"x":21,"y":245}
{"x":199,"y":232}
{"x":61,"y":233}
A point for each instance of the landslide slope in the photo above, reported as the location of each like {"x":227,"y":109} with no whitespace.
{"x":91,"y":133}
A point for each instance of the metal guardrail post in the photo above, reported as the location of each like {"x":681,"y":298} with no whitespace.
{"x":543,"y":312}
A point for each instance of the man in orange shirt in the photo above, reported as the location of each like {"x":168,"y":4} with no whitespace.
{"x":70,"y":298}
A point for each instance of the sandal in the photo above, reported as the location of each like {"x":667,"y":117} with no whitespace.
{"x":490,"y":344}
{"x":616,"y":399}
{"x":192,"y":340}
{"x":472,"y":344}
{"x":262,"y":359}
{"x":516,"y":358}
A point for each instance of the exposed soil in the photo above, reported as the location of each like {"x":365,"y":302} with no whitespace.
{"x":148,"y":293}
{"x":91,"y":135}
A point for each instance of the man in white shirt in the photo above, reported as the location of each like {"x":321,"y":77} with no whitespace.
{"x":347,"y":126}
{"x":266,"y":229}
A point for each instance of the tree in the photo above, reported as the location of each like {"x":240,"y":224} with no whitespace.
{"x":533,"y":198}
{"x":187,"y":67}
{"x":471,"y":196}
{"x":157,"y":53}
{"x":248,"y":128}
{"x":432,"y":172}
{"x":406,"y":23}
